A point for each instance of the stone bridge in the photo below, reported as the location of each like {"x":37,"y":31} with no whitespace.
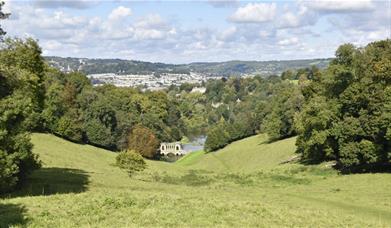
{"x":173,"y":148}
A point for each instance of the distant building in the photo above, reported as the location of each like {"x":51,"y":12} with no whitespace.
{"x":198,"y":90}
{"x":173,"y":148}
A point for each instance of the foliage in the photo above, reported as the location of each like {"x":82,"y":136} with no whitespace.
{"x":347,"y":112}
{"x":131,"y":161}
{"x":224,"y":133}
{"x":144,"y":141}
{"x":217,"y":137}
{"x":19,"y":110}
{"x":284,"y":105}
{"x":249,"y":106}
{"x":104,"y":115}
{"x":22,"y":59}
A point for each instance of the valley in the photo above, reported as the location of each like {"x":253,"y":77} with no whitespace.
{"x":79,"y":186}
{"x":195,"y":113}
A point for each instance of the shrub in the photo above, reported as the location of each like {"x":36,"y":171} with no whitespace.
{"x":131,"y":161}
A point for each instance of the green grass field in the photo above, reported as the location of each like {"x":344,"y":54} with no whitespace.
{"x":244,"y":184}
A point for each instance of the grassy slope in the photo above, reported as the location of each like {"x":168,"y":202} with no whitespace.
{"x":79,"y":187}
{"x":245,"y":155}
{"x":191,"y":158}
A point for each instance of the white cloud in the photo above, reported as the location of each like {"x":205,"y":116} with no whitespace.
{"x":340,"y":6}
{"x":267,"y":31}
{"x":120,"y":13}
{"x":151,"y":21}
{"x":152,"y":27}
{"x":229,"y":33}
{"x":297,"y":16}
{"x":289,"y":41}
{"x":290,"y":19}
{"x":254,"y":13}
{"x":149,"y":34}
{"x":7,"y":6}
{"x":51,"y":45}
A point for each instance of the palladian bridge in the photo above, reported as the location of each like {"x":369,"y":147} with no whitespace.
{"x":172,"y":148}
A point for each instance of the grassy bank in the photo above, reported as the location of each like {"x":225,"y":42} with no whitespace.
{"x":244,"y":184}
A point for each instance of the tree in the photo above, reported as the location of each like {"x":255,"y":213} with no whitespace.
{"x":20,"y":103}
{"x":70,"y":127}
{"x":98,"y":134}
{"x":217,"y":137}
{"x":347,"y":113}
{"x":17,"y":102}
{"x":131,"y":161}
{"x":285,"y":103}
{"x":143,"y":141}
{"x":24,"y":58}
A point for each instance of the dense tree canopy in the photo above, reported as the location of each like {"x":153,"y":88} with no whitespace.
{"x":21,"y":72}
{"x":347,"y":115}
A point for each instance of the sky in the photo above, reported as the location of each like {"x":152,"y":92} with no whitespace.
{"x":197,"y":31}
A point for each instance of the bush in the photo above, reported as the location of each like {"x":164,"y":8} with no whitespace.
{"x":131,"y":161}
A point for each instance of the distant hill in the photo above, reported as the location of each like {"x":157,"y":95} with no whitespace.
{"x":238,"y":68}
{"x":230,"y":68}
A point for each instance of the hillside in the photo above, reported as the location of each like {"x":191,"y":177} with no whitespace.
{"x":237,"y":68}
{"x":248,"y":154}
{"x":79,"y":187}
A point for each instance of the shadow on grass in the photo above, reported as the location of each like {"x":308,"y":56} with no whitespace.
{"x":191,"y":178}
{"x":270,"y":140}
{"x":12,"y":215}
{"x":356,"y":169}
{"x":49,"y":181}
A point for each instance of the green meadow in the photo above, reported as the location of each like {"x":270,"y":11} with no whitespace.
{"x":248,"y":183}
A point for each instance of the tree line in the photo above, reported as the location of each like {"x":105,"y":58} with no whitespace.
{"x":37,"y":97}
{"x":342,"y":113}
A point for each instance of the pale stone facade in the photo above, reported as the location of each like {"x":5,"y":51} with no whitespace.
{"x":173,"y":148}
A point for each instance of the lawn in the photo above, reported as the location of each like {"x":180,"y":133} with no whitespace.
{"x":244,"y":184}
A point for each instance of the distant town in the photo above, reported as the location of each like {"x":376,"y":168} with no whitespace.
{"x":156,"y":76}
{"x":149,"y":81}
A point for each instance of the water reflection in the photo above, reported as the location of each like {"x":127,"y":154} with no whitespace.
{"x":196,"y":144}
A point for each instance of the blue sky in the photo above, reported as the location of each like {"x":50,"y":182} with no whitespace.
{"x":193,"y":31}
